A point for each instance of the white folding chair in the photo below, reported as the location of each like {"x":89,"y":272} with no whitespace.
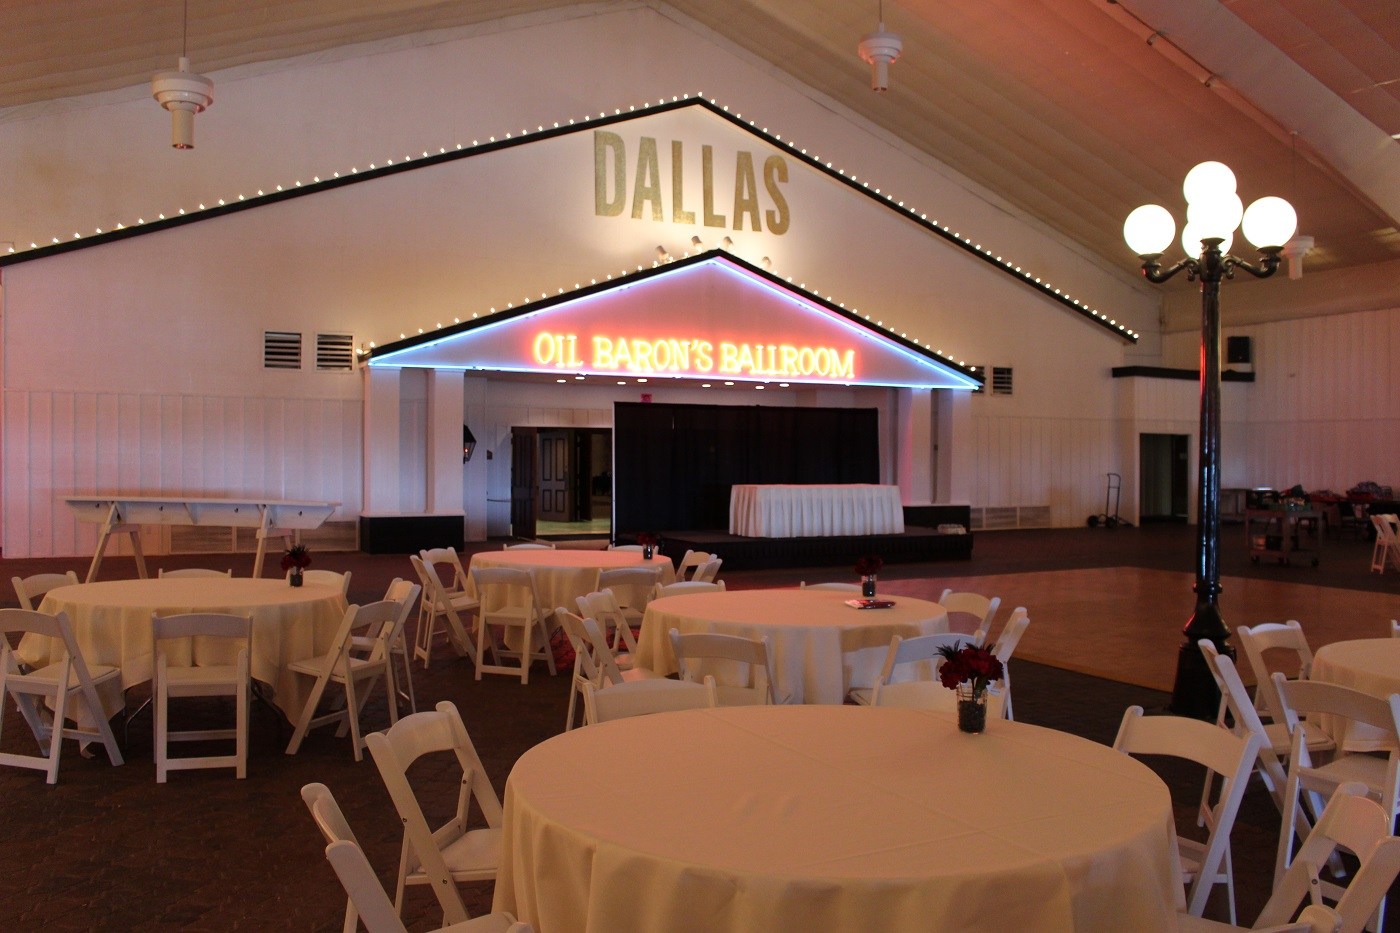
{"x":593,"y":659}
{"x":644,"y":697}
{"x":920,"y":692}
{"x":1271,"y":646}
{"x":438,"y":602}
{"x":1005,"y":646}
{"x":342,"y":666}
{"x":1380,"y":774}
{"x":335,"y":578}
{"x":708,"y":572}
{"x":194,"y":572}
{"x":200,"y":680}
{"x":625,"y":547}
{"x":843,"y":587}
{"x":602,"y":608}
{"x":446,"y":557}
{"x":30,"y":590}
{"x":691,"y":561}
{"x":1203,"y":865}
{"x":682,"y":587}
{"x":365,"y":896}
{"x":400,"y":591}
{"x":508,"y":599}
{"x":530,"y":546}
{"x":631,"y":587}
{"x":1386,"y":551}
{"x":451,"y":853}
{"x":742,"y":667}
{"x":60,"y":683}
{"x":969,"y":612}
{"x":1395,"y":628}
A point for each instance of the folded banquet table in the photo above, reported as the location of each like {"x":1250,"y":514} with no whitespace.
{"x":112,"y":623}
{"x":1370,"y":665}
{"x":814,"y":511}
{"x":821,"y":646}
{"x":562,"y":576}
{"x":803,"y":819}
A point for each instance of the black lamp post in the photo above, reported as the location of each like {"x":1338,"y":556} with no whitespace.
{"x":1214,"y":212}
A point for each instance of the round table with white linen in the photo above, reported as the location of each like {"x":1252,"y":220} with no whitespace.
{"x":562,"y":576}
{"x":112,"y":624}
{"x":803,"y":819}
{"x":1369,"y":665}
{"x":822,"y":647}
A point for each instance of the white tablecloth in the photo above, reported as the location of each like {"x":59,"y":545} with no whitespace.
{"x":1370,"y":665}
{"x":815,"y":511}
{"x":562,"y":576}
{"x":821,"y":646}
{"x":810,"y":819}
{"x":112,"y":623}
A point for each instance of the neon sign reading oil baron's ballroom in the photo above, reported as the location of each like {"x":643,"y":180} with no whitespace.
{"x":692,"y":356}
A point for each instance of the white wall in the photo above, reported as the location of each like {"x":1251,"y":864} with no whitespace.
{"x":160,"y":330}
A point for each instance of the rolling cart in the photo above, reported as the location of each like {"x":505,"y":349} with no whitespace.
{"x":1282,"y":533}
{"x":1111,"y":495}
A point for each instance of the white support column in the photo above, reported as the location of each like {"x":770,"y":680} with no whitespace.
{"x":955,"y":447}
{"x":446,"y":402}
{"x":381,"y":440}
{"x":914,"y":450}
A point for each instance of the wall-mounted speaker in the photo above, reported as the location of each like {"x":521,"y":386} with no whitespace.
{"x":1239,"y":350}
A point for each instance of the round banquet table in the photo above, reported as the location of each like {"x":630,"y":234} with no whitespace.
{"x":112,"y":623}
{"x":821,"y":646}
{"x":562,"y":576}
{"x":799,"y":819}
{"x":1369,"y":665}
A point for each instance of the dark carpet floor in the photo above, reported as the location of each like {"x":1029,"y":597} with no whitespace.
{"x":109,"y":849}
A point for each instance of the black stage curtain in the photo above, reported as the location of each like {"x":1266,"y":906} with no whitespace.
{"x":673,"y":464}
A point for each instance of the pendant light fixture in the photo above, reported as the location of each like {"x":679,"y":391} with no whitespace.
{"x":182,"y":92}
{"x":881,"y":49}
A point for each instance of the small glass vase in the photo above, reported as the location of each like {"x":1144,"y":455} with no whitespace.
{"x":648,"y":551}
{"x":295,"y":578}
{"x":867,"y":586}
{"x":972,"y":709}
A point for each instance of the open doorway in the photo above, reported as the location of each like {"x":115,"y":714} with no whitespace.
{"x":1162,"y":467}
{"x":561,"y":482}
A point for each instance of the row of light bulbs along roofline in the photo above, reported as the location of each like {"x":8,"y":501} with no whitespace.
{"x":1213,"y":211}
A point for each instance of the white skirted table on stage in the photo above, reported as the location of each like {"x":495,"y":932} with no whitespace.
{"x":562,"y":576}
{"x":815,"y":511}
{"x":806,"y":819}
{"x":1370,"y":665}
{"x":112,"y":623}
{"x":821,"y":646}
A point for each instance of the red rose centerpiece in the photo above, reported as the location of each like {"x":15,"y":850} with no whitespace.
{"x":296,"y":559}
{"x":868,"y":566}
{"x":969,"y":669}
{"x":649,"y":542}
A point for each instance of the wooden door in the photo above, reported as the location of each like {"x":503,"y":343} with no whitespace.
{"x":556,"y":492}
{"x":523,"y":471}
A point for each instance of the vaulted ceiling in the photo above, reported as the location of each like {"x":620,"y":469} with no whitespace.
{"x":1073,"y":111}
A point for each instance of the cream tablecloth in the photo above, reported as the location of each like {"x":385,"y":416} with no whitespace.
{"x":562,"y":576}
{"x":808,"y":819}
{"x":1370,"y":665}
{"x":814,"y":511}
{"x":112,"y":622}
{"x":821,"y":646}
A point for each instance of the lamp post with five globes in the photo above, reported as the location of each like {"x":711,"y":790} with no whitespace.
{"x":1214,"y":211}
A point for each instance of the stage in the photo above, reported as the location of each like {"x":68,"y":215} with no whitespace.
{"x":740,"y":553}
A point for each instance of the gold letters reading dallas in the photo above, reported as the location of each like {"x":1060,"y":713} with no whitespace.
{"x":610,"y":189}
{"x":693,"y":356}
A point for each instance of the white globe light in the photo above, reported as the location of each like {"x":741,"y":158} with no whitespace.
{"x":1149,"y":230}
{"x":1192,"y":235}
{"x":1270,"y":221}
{"x":1219,"y":216}
{"x":1207,"y":181}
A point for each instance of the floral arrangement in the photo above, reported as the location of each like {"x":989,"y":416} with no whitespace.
{"x":968,"y":664}
{"x":296,"y":556}
{"x":648,"y":539}
{"x":869,"y":565}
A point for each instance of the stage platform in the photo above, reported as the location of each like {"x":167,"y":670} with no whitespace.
{"x":739,"y":553}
